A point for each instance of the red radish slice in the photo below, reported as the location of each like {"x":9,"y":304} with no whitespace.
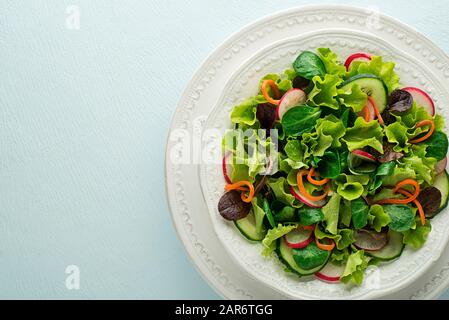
{"x":360,"y":56}
{"x":422,"y":99}
{"x":290,"y":99}
{"x":364,"y":155}
{"x":331,"y":272}
{"x":369,"y":240}
{"x":298,"y":238}
{"x":440,"y":166}
{"x":224,"y":166}
{"x":312,"y":204}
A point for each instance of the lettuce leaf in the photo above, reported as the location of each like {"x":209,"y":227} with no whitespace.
{"x":377,"y":217}
{"x":324,"y":92}
{"x":330,"y":211}
{"x":343,"y":237}
{"x":353,"y":98}
{"x":331,"y":63}
{"x":330,"y":127}
{"x":377,"y":67}
{"x":351,"y":187}
{"x":355,"y":266}
{"x":269,"y":242}
{"x":397,"y":133}
{"x":417,"y":237}
{"x":278,"y":186}
{"x":399,"y":174}
{"x":422,"y":166}
{"x":245,"y":112}
{"x":364,"y":134}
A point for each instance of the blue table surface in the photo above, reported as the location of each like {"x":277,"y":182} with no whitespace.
{"x":84,"y":117}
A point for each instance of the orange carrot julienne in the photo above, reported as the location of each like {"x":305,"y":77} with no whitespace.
{"x":429,"y":133}
{"x":313,"y":181}
{"x":273,"y":87}
{"x":238,"y":186}
{"x":367,"y":113}
{"x":398,"y":186}
{"x":376,"y":110}
{"x":422,"y":216}
{"x":327,"y":247}
{"x":303,"y":190}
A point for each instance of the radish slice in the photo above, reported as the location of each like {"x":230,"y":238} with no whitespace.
{"x":440,"y":166}
{"x":331,"y":272}
{"x":312,"y":204}
{"x":360,"y":56}
{"x":364,"y":155}
{"x":225,"y":167}
{"x":290,"y":99}
{"x":298,"y":238}
{"x":370,"y":240}
{"x":422,"y":99}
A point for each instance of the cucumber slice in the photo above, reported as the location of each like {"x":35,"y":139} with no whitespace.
{"x":442,"y":183}
{"x":247,"y":227}
{"x":392,"y":250}
{"x":286,"y":256}
{"x":372,"y":86}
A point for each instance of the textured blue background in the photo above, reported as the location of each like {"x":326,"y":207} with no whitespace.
{"x":83,"y":121}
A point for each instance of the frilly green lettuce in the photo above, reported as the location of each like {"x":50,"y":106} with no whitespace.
{"x":259,"y":215}
{"x":278,"y":186}
{"x":245,"y":112}
{"x":399,"y":174}
{"x":422,"y":166}
{"x":364,"y":134}
{"x":269,"y":242}
{"x":397,"y":134}
{"x":418,"y":236}
{"x":330,"y":61}
{"x":352,"y":187}
{"x":343,"y":238}
{"x":353,"y":97}
{"x":324,"y":92}
{"x":355,"y":266}
{"x":330,"y":211}
{"x":377,"y":217}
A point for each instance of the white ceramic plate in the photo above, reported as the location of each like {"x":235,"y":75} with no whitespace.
{"x":229,"y":75}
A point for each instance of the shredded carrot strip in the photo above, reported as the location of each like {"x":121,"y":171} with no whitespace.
{"x":327,"y":247}
{"x":312,"y":227}
{"x":367,"y":113}
{"x":317,"y":174}
{"x":238,"y":186}
{"x":273,"y":87}
{"x":376,"y":110}
{"x":428,"y":134}
{"x":422,"y":216}
{"x":398,"y":186}
{"x":304,"y":191}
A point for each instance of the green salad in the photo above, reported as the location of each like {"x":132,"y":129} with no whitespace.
{"x":335,"y":166}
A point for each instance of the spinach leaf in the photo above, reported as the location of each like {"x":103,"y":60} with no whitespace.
{"x":437,"y":146}
{"x":309,"y":216}
{"x":359,"y":211}
{"x":330,"y":165}
{"x":385,"y":169}
{"x":287,"y":214}
{"x":300,"y":119}
{"x":309,"y":65}
{"x":310,"y":257}
{"x":402,"y":217}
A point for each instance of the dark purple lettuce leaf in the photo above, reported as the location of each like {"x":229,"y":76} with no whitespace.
{"x":232,"y":207}
{"x":430,"y":199}
{"x":266,"y":114}
{"x":300,"y":83}
{"x":399,"y":101}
